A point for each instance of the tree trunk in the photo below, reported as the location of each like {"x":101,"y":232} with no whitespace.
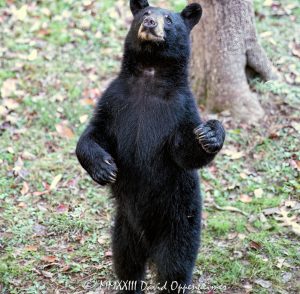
{"x":225,"y":53}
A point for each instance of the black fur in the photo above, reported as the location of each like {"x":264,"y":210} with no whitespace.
{"x":147,"y":140}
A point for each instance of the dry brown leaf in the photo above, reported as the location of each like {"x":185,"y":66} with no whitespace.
{"x":47,"y":274}
{"x":25,"y":188}
{"x":245,"y":198}
{"x":289,"y":221}
{"x":65,"y":268}
{"x":8,"y":88}
{"x":11,"y":104}
{"x":62,"y":208}
{"x":55,"y":181}
{"x":296,"y":50}
{"x":255,"y":245}
{"x":31,"y":248}
{"x":64,"y":131}
{"x":233,"y":154}
{"x":243,"y":176}
{"x":22,"y":205}
{"x":49,"y":258}
{"x":295,"y":164}
{"x":250,"y":228}
{"x":40,"y":193}
{"x":232,"y":236}
{"x":87,"y":101}
{"x":108,"y":253}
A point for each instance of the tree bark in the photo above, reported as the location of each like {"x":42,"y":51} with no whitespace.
{"x":225,"y":51}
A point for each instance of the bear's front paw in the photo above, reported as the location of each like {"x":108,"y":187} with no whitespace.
{"x":211,"y":136}
{"x":105,"y":171}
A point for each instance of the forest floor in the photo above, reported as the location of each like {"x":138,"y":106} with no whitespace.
{"x":56,"y":57}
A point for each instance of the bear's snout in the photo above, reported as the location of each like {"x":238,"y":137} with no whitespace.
{"x":149,"y":23}
{"x":152,"y":29}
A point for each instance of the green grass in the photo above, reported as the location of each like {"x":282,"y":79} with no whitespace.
{"x":61,"y":55}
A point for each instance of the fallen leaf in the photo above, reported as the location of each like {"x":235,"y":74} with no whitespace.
{"x":10,"y":104}
{"x":8,"y":88}
{"x":49,"y":259}
{"x":268,"y":2}
{"x":87,"y":101}
{"x":55,"y":181}
{"x":232,"y":236}
{"x":296,"y":50}
{"x":289,"y":221}
{"x":47,"y":274}
{"x":245,"y":198}
{"x":39,"y":230}
{"x":258,"y":193}
{"x":248,"y":288}
{"x":250,"y":228}
{"x":255,"y":245}
{"x":296,"y":126}
{"x":295,"y":164}
{"x":108,"y":253}
{"x":40,"y":193}
{"x":83,"y":118}
{"x":64,"y":131}
{"x":22,"y":205}
{"x":25,"y":188}
{"x":233,"y":154}
{"x":263,"y":283}
{"x":10,"y":150}
{"x":243,"y":176}
{"x":65,"y":268}
{"x":27,"y":155}
{"x":84,"y":24}
{"x":286,"y":277}
{"x":21,"y":13}
{"x":3,"y":110}
{"x":291,"y":203}
{"x":62,"y":208}
{"x":272,"y":210}
{"x":280,"y":262}
{"x":31,"y":248}
{"x":32,"y":55}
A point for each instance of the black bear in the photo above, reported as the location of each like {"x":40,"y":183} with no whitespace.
{"x":146,"y":140}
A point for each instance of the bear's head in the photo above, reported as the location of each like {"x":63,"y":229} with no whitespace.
{"x":157,"y":30}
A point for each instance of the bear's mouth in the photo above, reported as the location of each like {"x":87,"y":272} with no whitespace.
{"x":155,"y":34}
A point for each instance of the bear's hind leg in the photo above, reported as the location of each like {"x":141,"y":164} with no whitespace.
{"x":129,"y":257}
{"x":175,"y":258}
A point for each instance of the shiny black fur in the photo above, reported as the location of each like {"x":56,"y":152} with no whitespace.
{"x":147,"y":140}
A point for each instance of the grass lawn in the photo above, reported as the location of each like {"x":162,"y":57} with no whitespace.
{"x":56,"y":57}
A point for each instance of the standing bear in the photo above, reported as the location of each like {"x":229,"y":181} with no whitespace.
{"x":146,"y":140}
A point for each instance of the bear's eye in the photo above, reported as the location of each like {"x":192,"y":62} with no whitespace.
{"x":147,"y":13}
{"x":168,"y":19}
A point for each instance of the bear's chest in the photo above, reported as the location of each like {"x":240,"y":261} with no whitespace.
{"x":143,"y":126}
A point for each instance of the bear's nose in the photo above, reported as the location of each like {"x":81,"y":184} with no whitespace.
{"x":149,"y":23}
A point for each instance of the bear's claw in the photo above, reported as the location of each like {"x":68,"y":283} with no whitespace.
{"x":105,"y":172}
{"x":211,"y":136}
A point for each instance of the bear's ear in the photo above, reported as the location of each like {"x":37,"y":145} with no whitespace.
{"x":191,"y":15}
{"x":137,"y":5}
